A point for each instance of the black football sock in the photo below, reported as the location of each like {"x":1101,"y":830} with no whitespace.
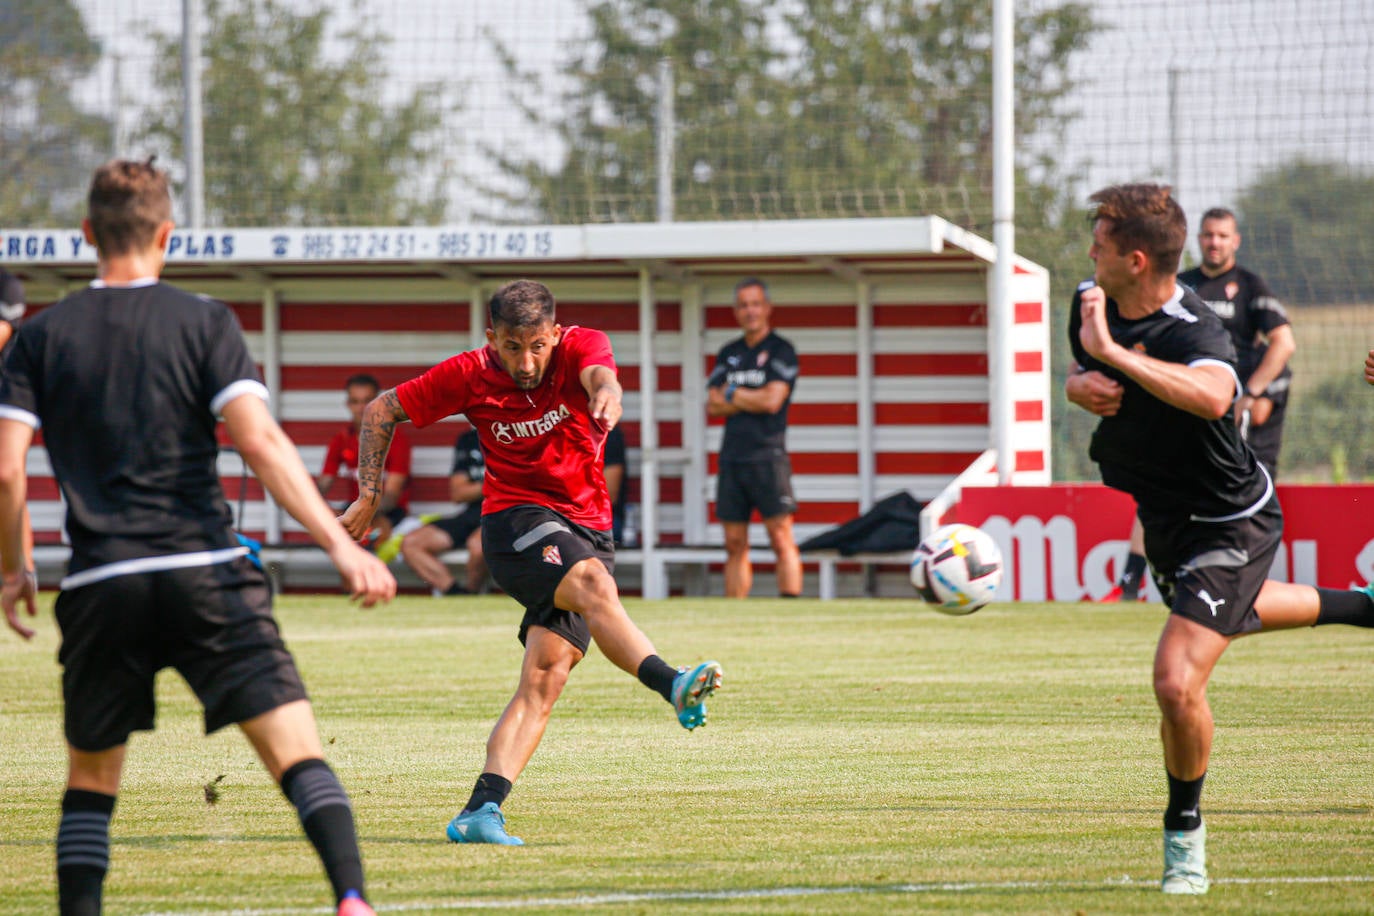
{"x":657,"y":675}
{"x":1185,"y":798}
{"x":83,"y":851}
{"x":327,"y":817}
{"x":1133,"y":575}
{"x":490,"y":788}
{"x":1336,"y":605}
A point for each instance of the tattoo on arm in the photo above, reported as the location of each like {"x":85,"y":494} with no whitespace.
{"x":374,"y":440}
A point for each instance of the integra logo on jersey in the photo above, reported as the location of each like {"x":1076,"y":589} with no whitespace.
{"x":747,"y":378}
{"x":506,"y":433}
{"x":1223,"y":308}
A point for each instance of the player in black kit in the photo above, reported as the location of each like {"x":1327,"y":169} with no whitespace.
{"x":1259,"y":328}
{"x":751,"y":387}
{"x":1156,"y":364}
{"x":126,"y":379}
{"x":1263,"y":338}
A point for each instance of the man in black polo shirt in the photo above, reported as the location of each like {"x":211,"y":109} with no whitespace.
{"x":1156,"y":364}
{"x":1259,"y":328}
{"x":751,"y":387}
{"x":126,"y":379}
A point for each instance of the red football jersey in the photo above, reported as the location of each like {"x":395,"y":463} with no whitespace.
{"x":542,"y":446}
{"x":341,"y":461}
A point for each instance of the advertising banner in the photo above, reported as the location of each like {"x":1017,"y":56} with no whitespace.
{"x":1068,"y":542}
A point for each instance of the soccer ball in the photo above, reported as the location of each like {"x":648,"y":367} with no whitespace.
{"x":957,"y":569}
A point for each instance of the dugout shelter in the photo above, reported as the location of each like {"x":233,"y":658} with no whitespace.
{"x":890,"y":319}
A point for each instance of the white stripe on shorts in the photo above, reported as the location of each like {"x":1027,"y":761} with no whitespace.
{"x":151,"y":564}
{"x":538,"y":532}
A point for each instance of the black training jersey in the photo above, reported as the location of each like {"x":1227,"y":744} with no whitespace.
{"x":126,"y":383}
{"x":1247,"y":308}
{"x":1173,"y":462}
{"x":755,"y":436}
{"x":468,"y":459}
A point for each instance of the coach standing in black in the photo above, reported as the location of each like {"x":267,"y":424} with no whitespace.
{"x":1156,"y":364}
{"x":1259,"y":328}
{"x":126,"y":379}
{"x":751,"y":387}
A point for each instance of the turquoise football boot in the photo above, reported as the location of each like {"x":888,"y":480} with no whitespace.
{"x":691,"y":688}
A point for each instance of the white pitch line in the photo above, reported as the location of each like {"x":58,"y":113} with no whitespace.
{"x":632,"y":897}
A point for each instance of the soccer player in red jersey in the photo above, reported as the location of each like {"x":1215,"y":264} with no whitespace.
{"x":341,"y":458}
{"x":542,"y":399}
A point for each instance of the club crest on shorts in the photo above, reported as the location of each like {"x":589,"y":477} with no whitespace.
{"x":551,"y":555}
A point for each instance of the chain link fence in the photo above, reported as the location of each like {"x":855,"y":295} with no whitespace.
{"x":539,"y":111}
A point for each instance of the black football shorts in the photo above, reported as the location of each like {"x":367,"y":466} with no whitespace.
{"x":461,"y":526}
{"x":743,"y":486}
{"x":213,"y":624}
{"x":1212,"y":573}
{"x":529,"y":549}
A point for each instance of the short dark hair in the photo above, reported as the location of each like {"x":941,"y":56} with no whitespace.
{"x":362,"y":378}
{"x":1220,"y":213}
{"x":521,"y":304}
{"x":752,"y":281}
{"x":127,"y":203}
{"x":1144,"y":217}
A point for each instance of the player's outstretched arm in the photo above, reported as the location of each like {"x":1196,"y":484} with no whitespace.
{"x":603,"y":394}
{"x":275,"y":461}
{"x":374,"y":440}
{"x":15,"y":540}
{"x":1369,"y":368}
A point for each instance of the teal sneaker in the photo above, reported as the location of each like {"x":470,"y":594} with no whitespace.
{"x":485,"y":825}
{"x":691,"y":687}
{"x":1185,"y":861}
{"x":1367,"y":591}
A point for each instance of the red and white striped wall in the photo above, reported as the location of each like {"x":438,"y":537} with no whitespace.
{"x":889,"y":318}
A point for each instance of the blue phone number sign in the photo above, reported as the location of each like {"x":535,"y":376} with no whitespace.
{"x":261,"y":245}
{"x":404,"y":244}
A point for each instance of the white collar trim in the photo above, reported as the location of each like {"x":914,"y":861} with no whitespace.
{"x":132,"y":284}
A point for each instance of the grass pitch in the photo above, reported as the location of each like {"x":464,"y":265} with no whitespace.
{"x":863,"y":757}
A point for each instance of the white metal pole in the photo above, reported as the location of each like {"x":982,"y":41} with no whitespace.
{"x":271,"y":377}
{"x":667,"y":136}
{"x":116,"y":115}
{"x":694,"y":473}
{"x":193,"y":137}
{"x":867,"y":462}
{"x":1001,"y":358}
{"x":477,"y":318}
{"x":1174,"y":133}
{"x":654,"y":585}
